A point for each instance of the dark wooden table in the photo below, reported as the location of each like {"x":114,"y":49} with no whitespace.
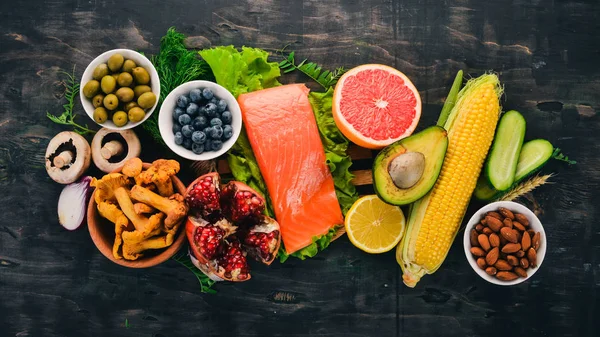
{"x":56,"y":283}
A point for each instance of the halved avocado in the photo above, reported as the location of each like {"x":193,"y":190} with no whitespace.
{"x":406,"y":170}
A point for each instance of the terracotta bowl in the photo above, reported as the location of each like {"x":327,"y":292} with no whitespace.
{"x":102,"y":232}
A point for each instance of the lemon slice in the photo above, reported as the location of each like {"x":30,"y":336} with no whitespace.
{"x":374,"y":226}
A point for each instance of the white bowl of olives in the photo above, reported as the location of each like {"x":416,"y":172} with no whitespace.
{"x":120,"y":89}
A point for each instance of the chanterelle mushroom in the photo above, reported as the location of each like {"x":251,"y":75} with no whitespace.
{"x":104,"y":153}
{"x":174,"y":207}
{"x":67,"y":157}
{"x":105,"y":187}
{"x":113,"y":214}
{"x":160,"y":174}
{"x":133,"y":250}
{"x":142,"y":224}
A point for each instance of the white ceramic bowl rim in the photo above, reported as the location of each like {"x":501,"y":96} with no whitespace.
{"x":165,"y":119}
{"x":535,"y":224}
{"x":140,"y":60}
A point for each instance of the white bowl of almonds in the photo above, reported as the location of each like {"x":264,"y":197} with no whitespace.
{"x":505,"y":243}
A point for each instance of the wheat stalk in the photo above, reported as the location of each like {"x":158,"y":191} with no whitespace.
{"x":526,"y":187}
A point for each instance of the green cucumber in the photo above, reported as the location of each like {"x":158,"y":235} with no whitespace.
{"x":534,"y":155}
{"x":502,"y":162}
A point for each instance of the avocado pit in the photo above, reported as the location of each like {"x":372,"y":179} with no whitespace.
{"x":406,"y":169}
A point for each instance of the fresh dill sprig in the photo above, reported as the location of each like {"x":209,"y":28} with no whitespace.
{"x":205,"y":282}
{"x":560,"y":156}
{"x":325,"y":78}
{"x":67,"y":117}
{"x":175,"y":65}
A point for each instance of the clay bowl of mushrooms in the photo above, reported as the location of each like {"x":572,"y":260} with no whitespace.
{"x":135,"y":214}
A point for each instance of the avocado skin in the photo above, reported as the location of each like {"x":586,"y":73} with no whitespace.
{"x":432,"y":143}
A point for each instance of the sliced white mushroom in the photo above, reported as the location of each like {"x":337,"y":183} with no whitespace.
{"x":406,"y":169}
{"x":103,"y":152}
{"x":67,"y":157}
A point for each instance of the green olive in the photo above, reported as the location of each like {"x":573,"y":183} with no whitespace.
{"x":90,"y":89}
{"x":130,"y":105}
{"x":100,"y":71}
{"x":97,"y":100}
{"x":141,"y":75}
{"x":124,"y":94}
{"x":119,"y":118}
{"x":124,"y":79}
{"x":108,"y":84}
{"x":146,"y":100}
{"x":100,"y":115}
{"x":115,"y":76}
{"x":138,"y":90}
{"x":136,"y":114}
{"x":128,"y":66}
{"x":115,"y":62}
{"x":111,"y":102}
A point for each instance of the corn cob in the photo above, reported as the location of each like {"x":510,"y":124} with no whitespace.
{"x":434,"y":220}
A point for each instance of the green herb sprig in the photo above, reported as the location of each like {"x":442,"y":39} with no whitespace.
{"x":325,"y":78}
{"x":205,"y":282}
{"x":67,"y":117}
{"x":175,"y":65}
{"x":560,"y":156}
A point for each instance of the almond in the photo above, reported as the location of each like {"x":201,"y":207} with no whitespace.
{"x":507,"y":276}
{"x":507,"y":223}
{"x":484,"y":242}
{"x":520,"y":271}
{"x":479,"y":228}
{"x":520,"y":253}
{"x":477,"y":251}
{"x":492,"y":256}
{"x":522,"y":219}
{"x":473,"y":238}
{"x":503,"y":241}
{"x":481,"y":263}
{"x":525,"y":241}
{"x":531,"y":232}
{"x":493,"y":223}
{"x":487,"y":231}
{"x":524,"y":262}
{"x":536,"y":241}
{"x":518,"y":226}
{"x":532,"y":257}
{"x":510,"y":248}
{"x":508,"y":234}
{"x":513,"y":261}
{"x":494,"y":240}
{"x":502,"y":265}
{"x":491,"y":271}
{"x":518,"y":235}
{"x":483,"y":222}
{"x":495,"y":215}
{"x":506,"y":213}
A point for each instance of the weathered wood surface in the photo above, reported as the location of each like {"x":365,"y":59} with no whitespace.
{"x":55,"y":283}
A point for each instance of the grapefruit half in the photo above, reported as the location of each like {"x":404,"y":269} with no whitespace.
{"x":375,"y":105}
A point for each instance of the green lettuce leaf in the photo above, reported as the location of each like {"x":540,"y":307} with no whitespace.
{"x":318,"y":244}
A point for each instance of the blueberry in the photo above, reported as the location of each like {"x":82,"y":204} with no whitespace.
{"x":227,"y":132}
{"x":214,"y":100}
{"x":185,"y":119}
{"x":197,"y":148}
{"x":178,"y":138}
{"x":198,"y":137}
{"x":221,"y":105}
{"x":217,"y":145}
{"x":199,"y":122}
{"x":187,"y":143}
{"x":178,"y":112}
{"x":196,"y":95}
{"x":208,"y":145}
{"x":208,"y":131}
{"x":216,"y":132}
{"x":216,"y":121}
{"x":192,"y":109}
{"x":207,"y":93}
{"x":183,"y":101}
{"x":187,"y":131}
{"x":210,"y":110}
{"x":176,"y":128}
{"x":226,"y":117}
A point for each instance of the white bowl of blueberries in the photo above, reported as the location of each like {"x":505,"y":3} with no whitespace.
{"x":200,"y":120}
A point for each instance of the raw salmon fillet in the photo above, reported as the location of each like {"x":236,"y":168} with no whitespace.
{"x":285,"y":140}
